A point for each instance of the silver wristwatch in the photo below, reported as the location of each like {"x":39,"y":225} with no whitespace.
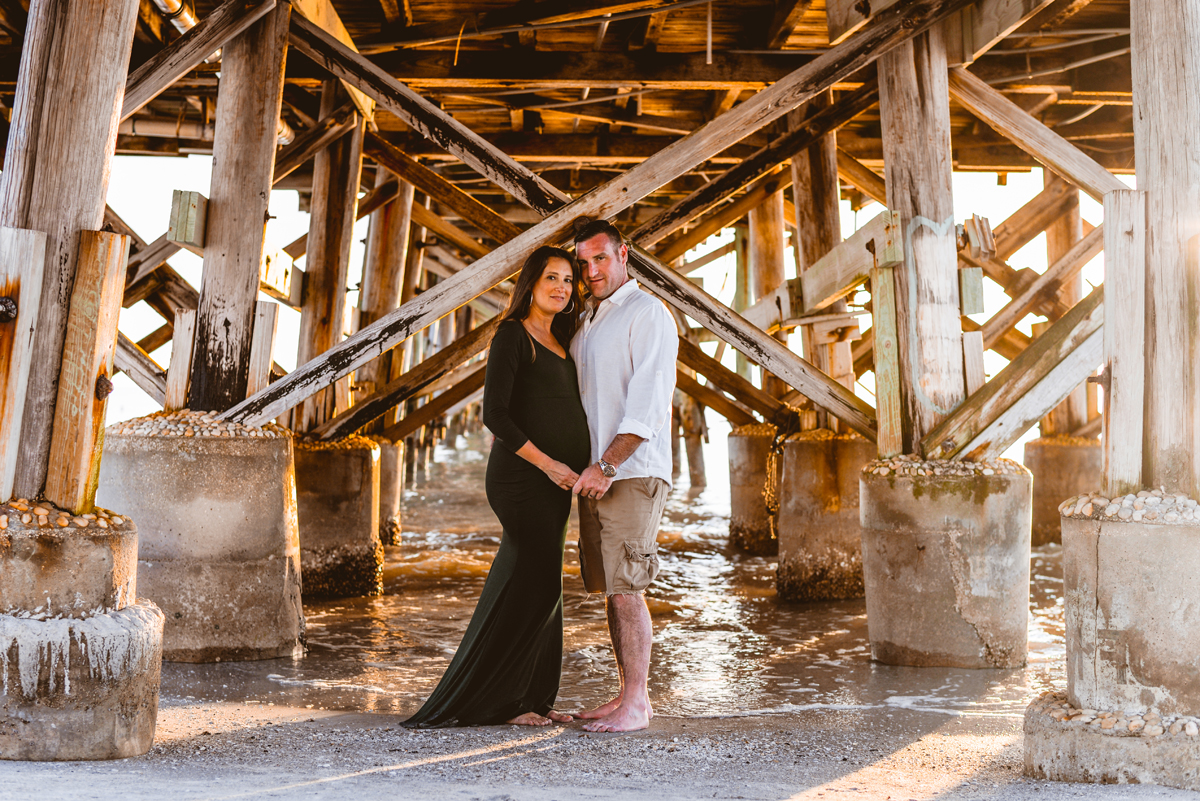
{"x":607,"y":469}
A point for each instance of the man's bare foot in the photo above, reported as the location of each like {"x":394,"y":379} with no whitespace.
{"x":602,"y":711}
{"x":626,"y":717}
{"x":559,"y":717}
{"x":530,"y":719}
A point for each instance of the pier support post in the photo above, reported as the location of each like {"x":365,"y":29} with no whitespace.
{"x":1129,"y":549}
{"x":82,"y":654}
{"x":945,"y":544}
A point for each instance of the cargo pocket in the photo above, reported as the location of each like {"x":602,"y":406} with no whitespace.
{"x":638,"y":568}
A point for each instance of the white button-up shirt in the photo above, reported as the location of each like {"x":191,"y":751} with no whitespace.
{"x":625,"y":356}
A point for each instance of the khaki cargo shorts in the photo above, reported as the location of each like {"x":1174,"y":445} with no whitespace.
{"x":618,"y":536}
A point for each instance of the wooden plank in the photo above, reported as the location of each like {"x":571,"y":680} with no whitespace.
{"x":836,"y":274}
{"x":438,"y":406}
{"x":839,"y":62}
{"x":973,"y":371}
{"x":861,"y":177}
{"x":707,"y":396}
{"x":724,"y":216}
{"x":959,"y":435}
{"x":766,"y":159}
{"x":262,"y":347}
{"x":149,"y":259}
{"x":448,"y":232}
{"x":248,"y":102}
{"x":439,"y":189}
{"x":1038,"y":401}
{"x":22,"y":260}
{"x":845,"y":17}
{"x":409,"y":384}
{"x":187,"y":52}
{"x":783,"y":21}
{"x":970,"y":290}
{"x":773,"y":310}
{"x":280,"y":278}
{"x":145,"y":373}
{"x":180,"y":368}
{"x":725,"y":380}
{"x":1029,"y":134}
{"x":887,"y":362}
{"x":73,"y":471}
{"x":444,"y":264}
{"x":323,"y":14}
{"x":987,"y":22}
{"x":156,"y":338}
{"x":707,"y":258}
{"x":189,"y":211}
{"x":1048,"y":282}
{"x":1124,"y":340}
{"x":329,"y":129}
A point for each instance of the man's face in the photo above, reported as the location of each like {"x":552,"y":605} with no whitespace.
{"x":604,"y":266}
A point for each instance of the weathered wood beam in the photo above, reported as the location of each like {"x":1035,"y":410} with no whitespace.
{"x":1046,"y":285}
{"x":648,"y":32}
{"x":707,"y":396}
{"x":179,"y":370}
{"x":438,"y":406}
{"x":336,"y":175}
{"x":753,"y":168}
{"x":707,"y":258}
{"x":889,"y":30}
{"x":861,"y":177}
{"x":57,"y":164}
{"x":323,"y":15}
{"x":1124,"y":341}
{"x":784,"y":20}
{"x":410,"y":384}
{"x":1029,"y":134}
{"x":183,"y":55}
{"x":449,"y":232}
{"x":375,"y":199}
{"x":722,"y":378}
{"x":73,"y":469}
{"x":156,"y":338}
{"x":725,"y":215}
{"x":250,"y":95}
{"x":22,"y":263}
{"x":962,"y":433}
{"x":146,"y":374}
{"x":329,"y":129}
{"x":502,"y":19}
{"x":439,"y":189}
{"x":886,"y":353}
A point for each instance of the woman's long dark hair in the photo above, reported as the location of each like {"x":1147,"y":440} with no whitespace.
{"x":565,"y":322}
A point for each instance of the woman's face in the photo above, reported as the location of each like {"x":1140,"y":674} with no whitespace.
{"x":553,"y":291}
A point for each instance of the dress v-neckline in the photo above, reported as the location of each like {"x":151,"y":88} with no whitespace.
{"x":544,"y":346}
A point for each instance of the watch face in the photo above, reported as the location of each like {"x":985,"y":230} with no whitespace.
{"x":607,"y":469}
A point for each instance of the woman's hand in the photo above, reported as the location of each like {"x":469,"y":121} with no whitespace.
{"x":560,"y":474}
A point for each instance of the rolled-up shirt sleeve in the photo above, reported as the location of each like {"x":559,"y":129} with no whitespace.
{"x":653,"y":348}
{"x":504,"y":359}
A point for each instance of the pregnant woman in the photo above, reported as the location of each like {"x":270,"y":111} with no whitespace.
{"x":508,"y":665}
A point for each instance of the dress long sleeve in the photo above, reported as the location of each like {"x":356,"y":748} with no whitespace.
{"x":509,"y":348}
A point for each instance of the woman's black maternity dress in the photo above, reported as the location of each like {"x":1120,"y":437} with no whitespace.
{"x":510,"y":659}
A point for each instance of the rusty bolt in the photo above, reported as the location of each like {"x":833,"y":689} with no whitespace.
{"x":104,"y":387}
{"x":8,"y":310}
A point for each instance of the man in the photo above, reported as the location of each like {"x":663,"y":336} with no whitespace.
{"x":625,"y":355}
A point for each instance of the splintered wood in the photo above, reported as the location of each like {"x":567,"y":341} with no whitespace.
{"x":87,"y":366}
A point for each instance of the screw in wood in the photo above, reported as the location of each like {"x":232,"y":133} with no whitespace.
{"x":8,"y":310}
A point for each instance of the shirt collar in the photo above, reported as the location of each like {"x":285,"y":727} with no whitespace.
{"x":623,"y":292}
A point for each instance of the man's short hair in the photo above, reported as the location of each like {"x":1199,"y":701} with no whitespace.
{"x":586,"y":228}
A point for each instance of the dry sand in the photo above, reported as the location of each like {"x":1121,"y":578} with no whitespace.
{"x":226,"y":750}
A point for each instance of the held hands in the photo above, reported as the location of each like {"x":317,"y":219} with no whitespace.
{"x":560,"y":474}
{"x":592,"y":483}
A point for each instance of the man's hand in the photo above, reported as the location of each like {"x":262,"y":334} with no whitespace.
{"x":592,"y":483}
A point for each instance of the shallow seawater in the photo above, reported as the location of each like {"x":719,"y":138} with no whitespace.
{"x":724,"y":645}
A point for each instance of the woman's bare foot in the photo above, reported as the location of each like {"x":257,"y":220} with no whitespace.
{"x":530,"y":719}
{"x":559,"y":717}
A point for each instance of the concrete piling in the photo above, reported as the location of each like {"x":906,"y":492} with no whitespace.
{"x":946,"y":562}
{"x":337,"y":492}
{"x":1062,"y":467}
{"x":820,"y":537}
{"x":750,"y":522}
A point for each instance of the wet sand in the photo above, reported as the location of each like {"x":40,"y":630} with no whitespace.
{"x":755,"y":698}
